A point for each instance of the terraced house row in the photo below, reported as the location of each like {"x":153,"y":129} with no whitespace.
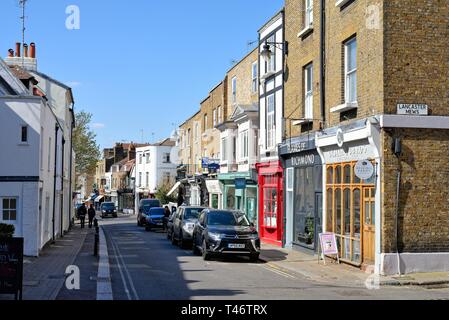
{"x":337,"y":122}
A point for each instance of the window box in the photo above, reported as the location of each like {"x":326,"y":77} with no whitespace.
{"x":345,"y":107}
{"x":306,"y":31}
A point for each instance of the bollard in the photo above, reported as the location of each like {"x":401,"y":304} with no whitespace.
{"x":97,"y":244}
{"x":97,"y":238}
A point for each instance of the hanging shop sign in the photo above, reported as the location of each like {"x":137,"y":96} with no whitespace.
{"x":240,"y":183}
{"x":413,"y":109}
{"x":364,"y":169}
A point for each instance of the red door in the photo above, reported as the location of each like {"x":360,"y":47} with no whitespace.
{"x":271,"y":213}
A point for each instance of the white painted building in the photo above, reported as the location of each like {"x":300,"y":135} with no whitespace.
{"x":155,"y":165}
{"x":31,"y":144}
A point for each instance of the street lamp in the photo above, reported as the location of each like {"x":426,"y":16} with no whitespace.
{"x":266,"y":52}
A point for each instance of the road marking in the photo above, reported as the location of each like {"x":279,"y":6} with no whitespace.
{"x":120,"y":270}
{"x":279,"y":272}
{"x":126,"y":271}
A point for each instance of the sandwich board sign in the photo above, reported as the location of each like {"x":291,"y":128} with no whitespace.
{"x":11,"y":266}
{"x":328,"y":246}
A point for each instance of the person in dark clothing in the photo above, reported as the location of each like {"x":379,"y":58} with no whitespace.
{"x":82,"y":212}
{"x":167,"y":214}
{"x":91,"y":213}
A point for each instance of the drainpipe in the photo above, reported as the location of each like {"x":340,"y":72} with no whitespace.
{"x":397,"y":149}
{"x":54,"y":182}
{"x":70,"y":168}
{"x":323,"y":60}
{"x":62,"y":188}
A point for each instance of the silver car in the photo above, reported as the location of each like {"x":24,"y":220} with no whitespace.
{"x":183,"y":224}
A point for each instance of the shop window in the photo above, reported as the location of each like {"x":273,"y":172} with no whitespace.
{"x":337,"y":174}
{"x":347,"y":174}
{"x":330,"y":211}
{"x":356,"y":208}
{"x":355,"y":179}
{"x":338,"y":211}
{"x":270,"y":207}
{"x":330,"y":175}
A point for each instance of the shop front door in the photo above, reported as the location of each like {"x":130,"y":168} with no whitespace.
{"x":369,"y":225}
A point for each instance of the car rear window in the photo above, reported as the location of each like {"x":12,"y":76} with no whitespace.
{"x":192,"y":213}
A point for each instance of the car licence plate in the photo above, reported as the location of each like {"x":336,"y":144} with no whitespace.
{"x":236,"y":246}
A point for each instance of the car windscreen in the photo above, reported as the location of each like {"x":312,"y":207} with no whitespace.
{"x":108,"y":206}
{"x":227,"y":218}
{"x":192,"y":213}
{"x":151,"y":204}
{"x":156,"y":212}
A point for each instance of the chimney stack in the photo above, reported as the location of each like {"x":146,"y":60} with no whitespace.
{"x":25,"y":50}
{"x":18,"y":45}
{"x":33,"y":50}
{"x":10,"y":53}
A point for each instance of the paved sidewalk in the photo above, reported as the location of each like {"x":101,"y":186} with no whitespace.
{"x":342,"y":274}
{"x":43,"y":277}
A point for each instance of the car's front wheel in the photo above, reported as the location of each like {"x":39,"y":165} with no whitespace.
{"x":254,"y":257}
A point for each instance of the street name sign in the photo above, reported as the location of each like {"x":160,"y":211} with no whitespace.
{"x":413,"y":109}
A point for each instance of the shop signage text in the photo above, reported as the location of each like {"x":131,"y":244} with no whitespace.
{"x":349,"y":153}
{"x":328,"y":244}
{"x":413,"y":109}
{"x":303,"y":161}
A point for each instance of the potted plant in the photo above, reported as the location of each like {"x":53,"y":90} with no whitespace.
{"x":6,"y":230}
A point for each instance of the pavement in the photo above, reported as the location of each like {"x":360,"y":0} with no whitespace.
{"x":44,"y":276}
{"x":315,"y":270}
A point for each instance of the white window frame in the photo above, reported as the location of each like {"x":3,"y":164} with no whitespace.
{"x":140,"y":179}
{"x":224,"y":152}
{"x":234,"y":89}
{"x":220,"y":114}
{"x":166,"y":158}
{"x":350,"y":73}
{"x":147,"y":156}
{"x":206,"y":119}
{"x":243,"y":141}
{"x":308,"y":92}
{"x":271,"y":122}
{"x":147,"y":179}
{"x":214,"y":114}
{"x":308,"y":10}
{"x":188,"y":138}
{"x":16,"y":209}
{"x":254,"y":74}
{"x":271,"y":62}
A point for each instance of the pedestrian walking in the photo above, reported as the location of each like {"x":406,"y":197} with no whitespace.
{"x":167,"y":214}
{"x":91,"y":213}
{"x":82,"y":212}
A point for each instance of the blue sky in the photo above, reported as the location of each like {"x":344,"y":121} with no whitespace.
{"x":138,"y":64}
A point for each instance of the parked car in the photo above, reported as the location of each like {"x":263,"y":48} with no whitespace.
{"x":227,"y":232}
{"x":183,"y":224}
{"x":108,"y":209}
{"x":154,"y":219}
{"x":144,"y":207}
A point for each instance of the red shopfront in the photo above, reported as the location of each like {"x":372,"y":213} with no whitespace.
{"x":271,"y":203}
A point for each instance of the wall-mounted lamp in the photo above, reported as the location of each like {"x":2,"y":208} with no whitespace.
{"x":267,"y":53}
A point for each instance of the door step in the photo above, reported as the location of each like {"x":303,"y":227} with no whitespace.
{"x":368,"y":268}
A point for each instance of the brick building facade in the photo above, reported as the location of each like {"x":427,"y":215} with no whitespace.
{"x":377,"y":55}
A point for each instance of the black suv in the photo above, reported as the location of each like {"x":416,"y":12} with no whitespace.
{"x":227,"y":232}
{"x":108,"y":209}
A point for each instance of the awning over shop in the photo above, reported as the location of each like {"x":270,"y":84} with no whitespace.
{"x":98,"y":199}
{"x":174,"y":189}
{"x":213,"y":186}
